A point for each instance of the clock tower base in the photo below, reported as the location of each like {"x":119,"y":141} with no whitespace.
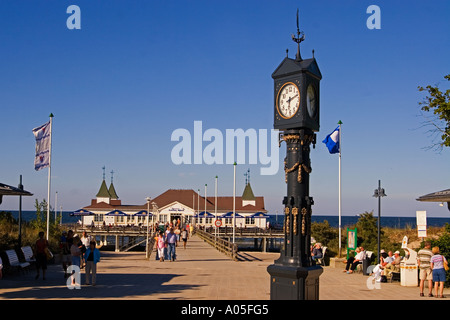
{"x":294,"y":283}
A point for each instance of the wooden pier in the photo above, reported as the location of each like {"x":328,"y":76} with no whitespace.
{"x":263,"y":238}
{"x":134,"y":236}
{"x":127,"y":238}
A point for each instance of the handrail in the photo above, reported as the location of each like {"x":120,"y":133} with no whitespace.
{"x":228,"y":231}
{"x":220,"y":244}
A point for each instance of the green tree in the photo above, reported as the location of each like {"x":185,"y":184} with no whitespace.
{"x":322,"y":232}
{"x":325,"y":234}
{"x":437,"y":102}
{"x":367,"y":227}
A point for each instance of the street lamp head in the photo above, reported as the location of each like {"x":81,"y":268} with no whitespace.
{"x":382,"y":194}
{"x":375,"y":193}
{"x":148,"y":199}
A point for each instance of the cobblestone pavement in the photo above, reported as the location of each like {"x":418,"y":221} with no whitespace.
{"x":200,"y":273}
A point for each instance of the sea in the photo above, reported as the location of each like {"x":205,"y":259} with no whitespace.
{"x":277,"y":220}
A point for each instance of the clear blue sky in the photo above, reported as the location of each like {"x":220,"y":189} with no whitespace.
{"x":138,"y":70}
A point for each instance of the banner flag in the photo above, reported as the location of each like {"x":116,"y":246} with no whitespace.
{"x":43,"y":140}
{"x":332,"y":141}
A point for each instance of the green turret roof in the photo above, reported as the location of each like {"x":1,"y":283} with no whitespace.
{"x":103,"y":192}
{"x":112,"y":192}
{"x":248,"y":193}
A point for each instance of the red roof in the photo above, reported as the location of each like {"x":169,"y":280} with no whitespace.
{"x":190,"y":198}
{"x":187,"y":197}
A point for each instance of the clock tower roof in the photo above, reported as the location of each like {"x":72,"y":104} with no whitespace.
{"x":292,"y":66}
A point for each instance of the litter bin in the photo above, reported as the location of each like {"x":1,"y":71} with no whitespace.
{"x":365,"y":266}
{"x":409,"y":269}
{"x":366,"y":263}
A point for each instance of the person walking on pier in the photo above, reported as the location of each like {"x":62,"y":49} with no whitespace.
{"x":75,"y":251}
{"x":171,"y":244}
{"x":184,"y":237}
{"x":424,"y":257}
{"x":160,"y":245}
{"x":91,"y":257}
{"x":41,"y":246}
{"x":437,"y":263}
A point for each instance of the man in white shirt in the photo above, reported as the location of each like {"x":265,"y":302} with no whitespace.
{"x":353,"y":262}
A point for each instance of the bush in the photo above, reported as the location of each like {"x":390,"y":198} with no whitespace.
{"x":325,"y":234}
{"x":9,"y":229}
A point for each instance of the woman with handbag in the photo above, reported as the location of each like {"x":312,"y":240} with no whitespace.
{"x":438,"y":264}
{"x":40,"y":249}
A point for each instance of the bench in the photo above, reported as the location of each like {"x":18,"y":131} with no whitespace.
{"x":28,"y":254}
{"x":14,"y":261}
{"x":395,"y":275}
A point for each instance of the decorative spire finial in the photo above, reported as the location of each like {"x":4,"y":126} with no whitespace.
{"x":300,"y":37}
{"x":247,"y":177}
{"x":112,"y":172}
{"x":103,"y":172}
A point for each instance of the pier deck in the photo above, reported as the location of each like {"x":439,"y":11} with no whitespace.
{"x":200,"y":273}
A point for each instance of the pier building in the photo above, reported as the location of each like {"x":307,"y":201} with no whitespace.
{"x":184,"y":204}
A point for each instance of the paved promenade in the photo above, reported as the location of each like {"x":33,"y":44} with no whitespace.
{"x":200,"y":273}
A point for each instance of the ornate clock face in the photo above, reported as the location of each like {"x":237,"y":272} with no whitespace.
{"x":311,"y":101}
{"x":288,"y":100}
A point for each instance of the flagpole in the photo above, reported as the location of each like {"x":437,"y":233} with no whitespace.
{"x":49,"y":175}
{"x":234,"y":202}
{"x":215,"y":208}
{"x":340,"y":202}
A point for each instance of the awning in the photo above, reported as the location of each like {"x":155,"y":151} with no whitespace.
{"x":82,"y":212}
{"x":142,"y":213}
{"x":259,"y":215}
{"x":230,"y":215}
{"x":116,"y":213}
{"x":439,"y":196}
{"x":6,"y":190}
{"x":204,"y":214}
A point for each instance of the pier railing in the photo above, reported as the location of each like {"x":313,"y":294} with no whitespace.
{"x":246,"y":232}
{"x":220,"y":244}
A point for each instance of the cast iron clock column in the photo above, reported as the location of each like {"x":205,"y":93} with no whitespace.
{"x":294,"y":276}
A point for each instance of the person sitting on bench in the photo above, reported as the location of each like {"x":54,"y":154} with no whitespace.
{"x":353,"y":262}
{"x":393,"y":266}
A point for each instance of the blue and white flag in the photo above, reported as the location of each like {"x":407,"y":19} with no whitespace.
{"x":332,"y":141}
{"x":43,"y":140}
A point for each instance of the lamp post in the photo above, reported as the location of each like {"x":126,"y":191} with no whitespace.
{"x":155,"y":208}
{"x":198,"y":208}
{"x":20,"y":212}
{"x":147,"y":251}
{"x":379,"y":193}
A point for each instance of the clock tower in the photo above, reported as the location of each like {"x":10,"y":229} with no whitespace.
{"x":295,"y":275}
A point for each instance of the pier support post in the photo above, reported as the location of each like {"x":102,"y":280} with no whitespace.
{"x":117,"y":243}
